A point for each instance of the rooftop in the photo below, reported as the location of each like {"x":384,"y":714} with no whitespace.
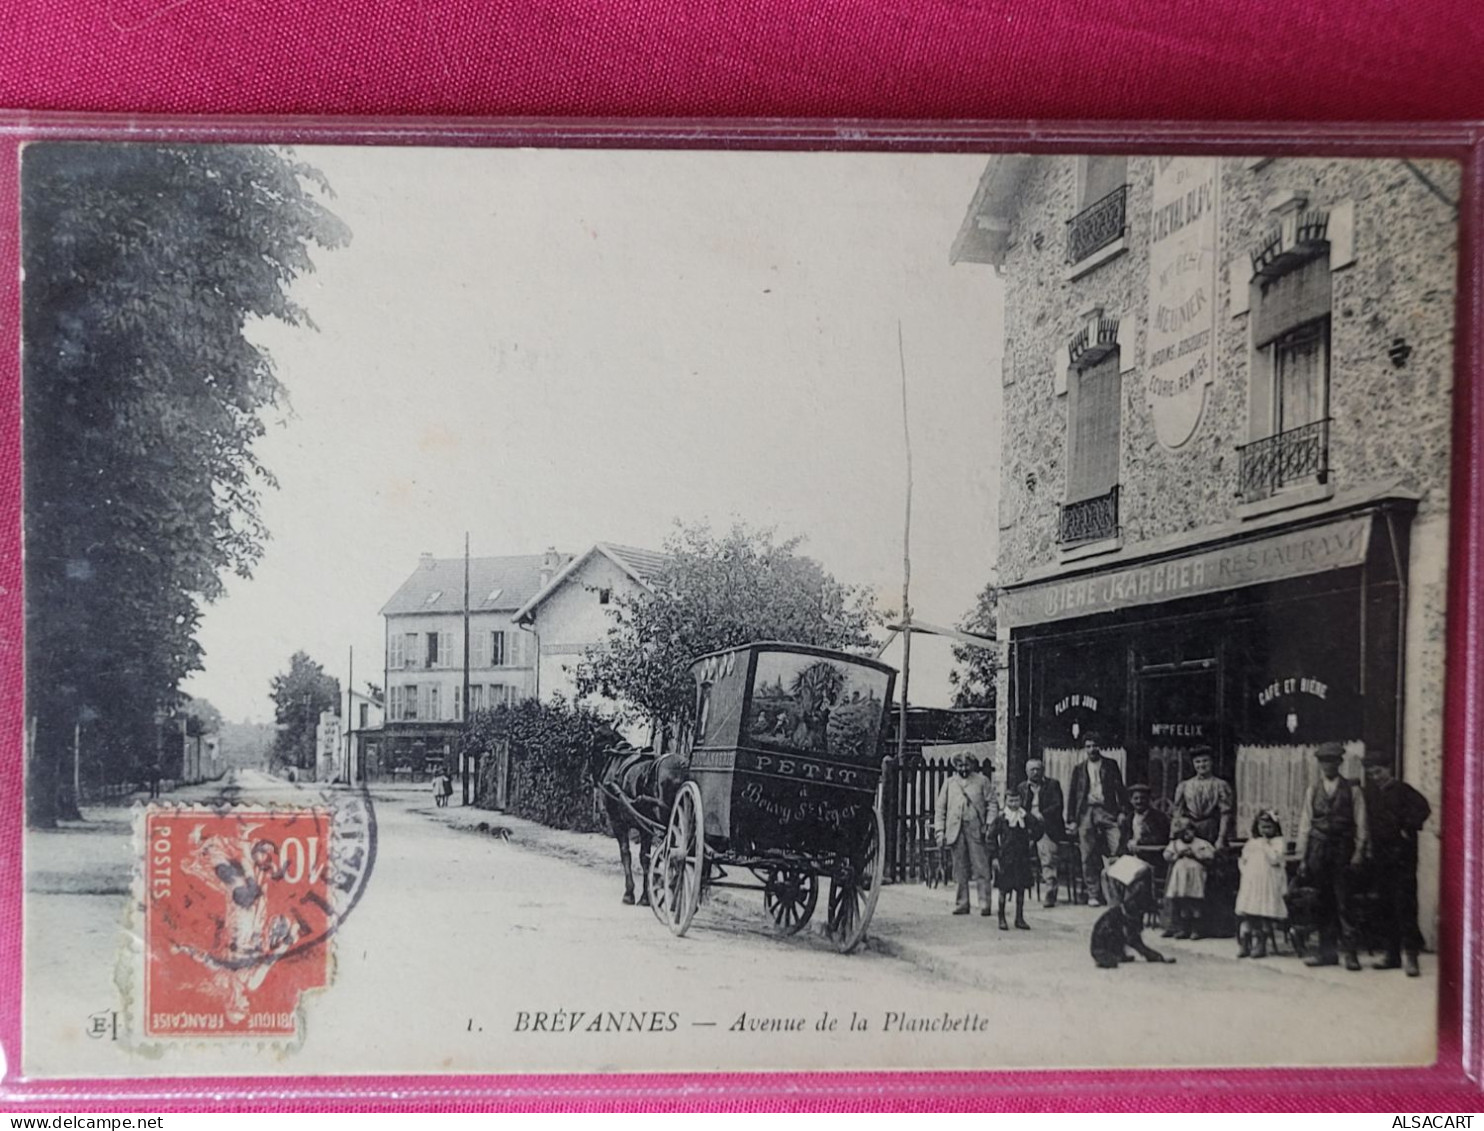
{"x":495,"y":584}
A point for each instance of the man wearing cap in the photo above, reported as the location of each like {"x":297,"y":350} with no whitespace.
{"x":962,"y":812}
{"x":1395,"y":813}
{"x":1332,"y":842}
{"x":1096,"y":802}
{"x":1042,"y":797}
{"x":1144,"y":826}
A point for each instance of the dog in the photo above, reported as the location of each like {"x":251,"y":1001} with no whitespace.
{"x":1120,"y":928}
{"x":499,"y":832}
{"x":1303,"y":917}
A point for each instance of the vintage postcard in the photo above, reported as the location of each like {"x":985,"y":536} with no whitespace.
{"x":499,"y":610}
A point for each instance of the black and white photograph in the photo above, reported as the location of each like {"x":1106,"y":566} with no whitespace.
{"x":574,"y":610}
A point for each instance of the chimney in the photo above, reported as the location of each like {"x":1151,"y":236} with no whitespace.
{"x":425,"y":560}
{"x":551,"y":561}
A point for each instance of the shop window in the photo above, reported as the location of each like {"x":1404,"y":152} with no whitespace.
{"x":1102,"y":208}
{"x":1288,"y":401}
{"x":1094,"y":428}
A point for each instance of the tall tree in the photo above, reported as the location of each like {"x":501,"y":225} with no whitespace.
{"x":717,"y":591}
{"x":299,"y":695}
{"x":144,"y":266}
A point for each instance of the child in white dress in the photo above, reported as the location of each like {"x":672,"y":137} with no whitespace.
{"x":1188,"y":855}
{"x":1264,"y":868}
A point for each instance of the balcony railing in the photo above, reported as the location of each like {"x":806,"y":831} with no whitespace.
{"x":1290,"y":457}
{"x":1089,"y":520}
{"x":1097,"y":225}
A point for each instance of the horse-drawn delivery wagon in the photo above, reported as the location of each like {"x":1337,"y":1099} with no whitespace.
{"x":778,"y":778}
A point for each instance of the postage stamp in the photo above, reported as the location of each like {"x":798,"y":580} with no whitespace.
{"x":239,"y":908}
{"x":237,"y":912}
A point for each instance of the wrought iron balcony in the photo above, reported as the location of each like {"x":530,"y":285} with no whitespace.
{"x":1290,"y":457}
{"x":1097,"y":225}
{"x":1089,"y":520}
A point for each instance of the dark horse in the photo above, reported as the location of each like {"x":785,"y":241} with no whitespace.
{"x":638,"y":789}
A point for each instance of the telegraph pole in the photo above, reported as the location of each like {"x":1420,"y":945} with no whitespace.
{"x":464,"y":754}
{"x":906,"y":563}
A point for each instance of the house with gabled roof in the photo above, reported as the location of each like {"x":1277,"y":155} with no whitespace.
{"x":573,"y":611}
{"x":424,"y":623}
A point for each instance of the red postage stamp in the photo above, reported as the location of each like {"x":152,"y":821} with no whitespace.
{"x":238,"y":914}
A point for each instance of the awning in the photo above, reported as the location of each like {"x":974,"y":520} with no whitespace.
{"x":1340,"y":544}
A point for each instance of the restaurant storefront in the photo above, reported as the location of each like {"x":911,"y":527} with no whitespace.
{"x":1259,"y":646}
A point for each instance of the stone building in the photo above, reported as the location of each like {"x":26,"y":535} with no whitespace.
{"x":1226,"y":418}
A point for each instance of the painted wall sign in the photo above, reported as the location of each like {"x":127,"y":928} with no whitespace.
{"x":1181,"y":332}
{"x":1067,"y":702}
{"x":1297,"y":553}
{"x":1296,"y":685}
{"x":1177,"y":730}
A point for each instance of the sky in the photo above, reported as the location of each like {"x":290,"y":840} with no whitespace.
{"x":556,"y":347}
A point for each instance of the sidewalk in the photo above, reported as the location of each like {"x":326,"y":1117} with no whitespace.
{"x":915,"y":923}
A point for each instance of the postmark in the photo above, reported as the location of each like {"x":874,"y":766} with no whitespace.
{"x":240,"y":906}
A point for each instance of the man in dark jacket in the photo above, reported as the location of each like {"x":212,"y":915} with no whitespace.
{"x":1042,"y":798}
{"x":1096,"y":802}
{"x":1396,"y":813}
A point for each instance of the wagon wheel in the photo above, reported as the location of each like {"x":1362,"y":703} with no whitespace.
{"x":789,"y":897}
{"x":853,"y":898}
{"x":681,"y":862}
{"x":659,"y":893}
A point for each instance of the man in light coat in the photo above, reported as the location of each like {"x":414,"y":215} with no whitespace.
{"x":963,"y":811}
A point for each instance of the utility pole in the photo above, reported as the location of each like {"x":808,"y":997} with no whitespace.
{"x":350,"y":714}
{"x":463,"y":753}
{"x":77,"y":763}
{"x":906,"y":564}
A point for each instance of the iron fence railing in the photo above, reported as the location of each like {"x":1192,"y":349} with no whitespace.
{"x":1089,"y":520}
{"x":1097,"y":225}
{"x":1288,"y":457}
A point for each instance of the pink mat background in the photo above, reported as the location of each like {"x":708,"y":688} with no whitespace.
{"x":1325,"y":60}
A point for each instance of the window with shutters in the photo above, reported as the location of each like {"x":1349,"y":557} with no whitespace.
{"x":479,"y":650}
{"x":1094,"y":430}
{"x":409,"y":701}
{"x":1288,"y":401}
{"x":435,"y":702}
{"x":409,"y":650}
{"x":430,"y":656}
{"x":394,"y":655}
{"x":497,"y":649}
{"x":458,"y":704}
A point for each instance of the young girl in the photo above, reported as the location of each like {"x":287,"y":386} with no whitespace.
{"x":1260,"y":905}
{"x":1186,"y":888}
{"x":1015,"y":835}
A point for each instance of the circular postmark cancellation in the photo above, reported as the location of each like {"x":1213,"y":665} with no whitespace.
{"x":240,"y":901}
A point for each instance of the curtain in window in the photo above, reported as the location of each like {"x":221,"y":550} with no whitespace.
{"x":1095,"y":397}
{"x":1299,"y":371}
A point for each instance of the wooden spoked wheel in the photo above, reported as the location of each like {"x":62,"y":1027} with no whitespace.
{"x":789,"y":897}
{"x":853,"y":897}
{"x":681,"y":862}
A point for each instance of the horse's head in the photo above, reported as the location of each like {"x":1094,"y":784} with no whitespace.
{"x":607,"y":748}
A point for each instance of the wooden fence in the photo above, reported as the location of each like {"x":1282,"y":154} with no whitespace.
{"x":908,"y":791}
